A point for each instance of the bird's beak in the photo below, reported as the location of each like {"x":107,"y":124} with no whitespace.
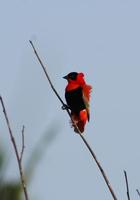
{"x":65,"y":77}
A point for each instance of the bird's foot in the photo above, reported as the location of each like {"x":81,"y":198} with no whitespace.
{"x":65,"y":107}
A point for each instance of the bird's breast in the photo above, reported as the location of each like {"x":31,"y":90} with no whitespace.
{"x":75,"y":100}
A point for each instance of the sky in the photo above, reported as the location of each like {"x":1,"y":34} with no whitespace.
{"x":102,"y":40}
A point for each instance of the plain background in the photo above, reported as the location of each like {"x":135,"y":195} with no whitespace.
{"x":102,"y":40}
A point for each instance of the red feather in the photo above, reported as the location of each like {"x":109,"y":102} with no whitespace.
{"x":73,"y":84}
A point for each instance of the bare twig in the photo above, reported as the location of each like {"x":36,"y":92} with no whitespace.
{"x":82,"y":137}
{"x":16,"y":151}
{"x":127,"y":187}
{"x":23,"y":144}
{"x":138,"y":192}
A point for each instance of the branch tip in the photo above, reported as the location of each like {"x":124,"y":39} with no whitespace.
{"x":127,"y":186}
{"x":13,"y":141}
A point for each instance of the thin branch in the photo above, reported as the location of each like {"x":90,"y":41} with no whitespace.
{"x":23,"y":144}
{"x":82,"y":137}
{"x":16,"y":151}
{"x":138,"y":192}
{"x":46,"y":73}
{"x":53,"y":88}
{"x":127,"y":187}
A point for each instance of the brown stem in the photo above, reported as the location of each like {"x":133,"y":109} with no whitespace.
{"x":127,"y":187}
{"x":82,"y":137}
{"x":46,"y":73}
{"x":23,"y":144}
{"x":16,"y":151}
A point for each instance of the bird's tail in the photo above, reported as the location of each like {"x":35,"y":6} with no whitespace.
{"x":80,"y":121}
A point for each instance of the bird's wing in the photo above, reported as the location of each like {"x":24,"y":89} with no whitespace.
{"x":86,"y":97}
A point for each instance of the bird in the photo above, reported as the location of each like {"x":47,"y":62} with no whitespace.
{"x":77,"y":95}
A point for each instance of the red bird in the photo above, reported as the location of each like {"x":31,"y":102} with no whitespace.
{"x":77,"y":94}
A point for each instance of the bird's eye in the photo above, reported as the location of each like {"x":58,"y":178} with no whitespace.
{"x":73,"y":75}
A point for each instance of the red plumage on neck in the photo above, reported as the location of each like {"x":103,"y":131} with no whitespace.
{"x":79,"y":82}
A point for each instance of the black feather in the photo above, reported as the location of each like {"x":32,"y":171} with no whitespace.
{"x":75,"y":100}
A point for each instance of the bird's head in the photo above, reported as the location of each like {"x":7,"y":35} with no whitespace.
{"x":74,"y":76}
{"x":71,"y":76}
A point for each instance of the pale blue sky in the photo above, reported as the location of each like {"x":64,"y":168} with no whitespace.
{"x":99,"y":38}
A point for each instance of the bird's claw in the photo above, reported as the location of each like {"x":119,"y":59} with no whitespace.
{"x":65,"y":107}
